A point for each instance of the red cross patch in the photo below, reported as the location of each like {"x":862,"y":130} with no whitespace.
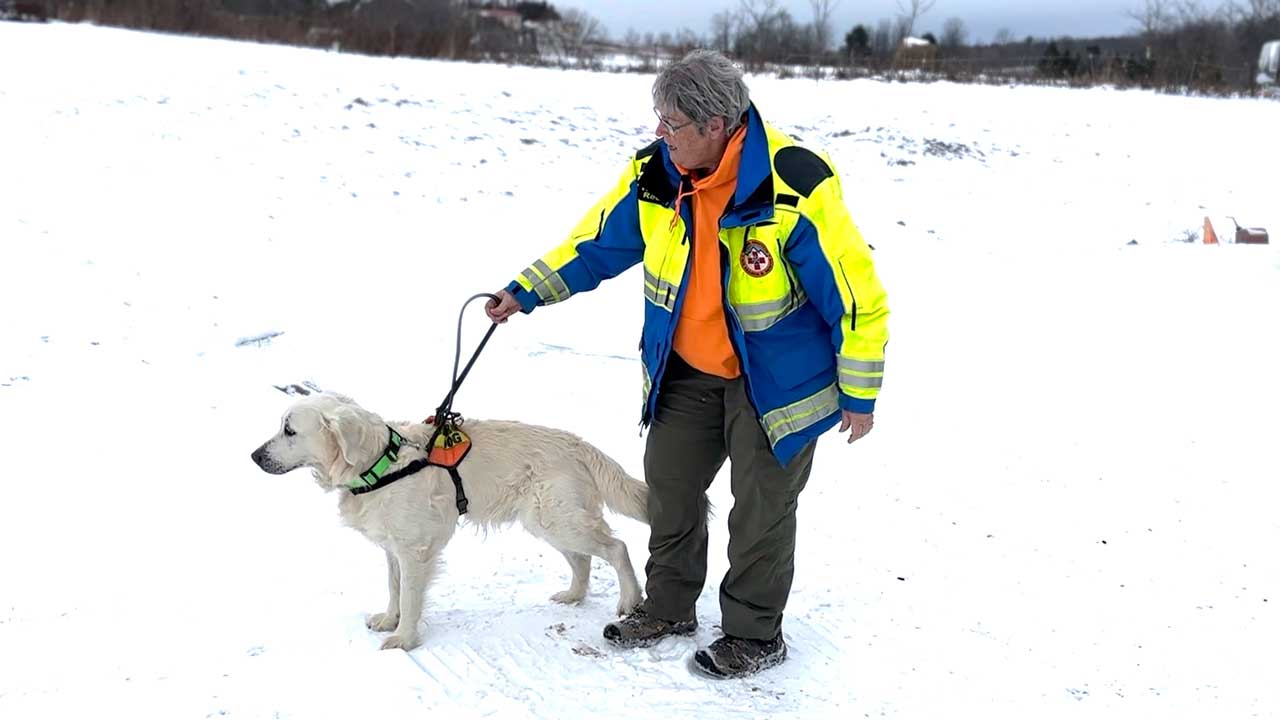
{"x":756,"y":259}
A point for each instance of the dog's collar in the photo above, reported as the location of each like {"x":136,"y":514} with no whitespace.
{"x":376,"y":476}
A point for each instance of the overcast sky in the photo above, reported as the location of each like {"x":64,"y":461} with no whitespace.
{"x":1041,"y":18}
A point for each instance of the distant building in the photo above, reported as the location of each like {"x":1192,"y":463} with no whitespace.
{"x":915,"y":53}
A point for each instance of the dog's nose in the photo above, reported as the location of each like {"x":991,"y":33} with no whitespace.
{"x":258,"y":455}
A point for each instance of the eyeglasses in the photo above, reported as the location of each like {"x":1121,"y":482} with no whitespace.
{"x":666,"y":124}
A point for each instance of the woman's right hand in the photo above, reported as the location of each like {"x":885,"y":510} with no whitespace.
{"x":502,"y":308}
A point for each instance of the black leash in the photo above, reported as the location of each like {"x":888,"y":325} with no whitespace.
{"x":446,"y":407}
{"x":445,"y":417}
{"x":444,"y":420}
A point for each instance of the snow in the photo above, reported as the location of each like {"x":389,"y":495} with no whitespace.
{"x":1067,"y":508}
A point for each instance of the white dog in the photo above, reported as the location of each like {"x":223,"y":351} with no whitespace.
{"x":553,"y":482}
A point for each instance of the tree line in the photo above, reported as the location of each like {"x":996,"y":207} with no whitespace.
{"x":1175,"y":43}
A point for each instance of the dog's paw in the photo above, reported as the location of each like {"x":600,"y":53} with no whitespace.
{"x":400,"y":642}
{"x":568,"y":597}
{"x":626,"y":605}
{"x":382,"y":622}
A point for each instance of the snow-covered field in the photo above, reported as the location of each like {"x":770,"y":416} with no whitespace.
{"x":1068,"y":508}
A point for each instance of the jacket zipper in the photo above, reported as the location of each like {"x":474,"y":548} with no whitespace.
{"x":791,"y":279}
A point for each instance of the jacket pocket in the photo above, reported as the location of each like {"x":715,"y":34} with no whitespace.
{"x":794,"y":352}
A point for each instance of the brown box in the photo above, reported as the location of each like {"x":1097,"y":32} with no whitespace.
{"x":1252,"y":236}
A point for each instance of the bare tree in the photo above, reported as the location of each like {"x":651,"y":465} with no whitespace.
{"x":953,"y":33}
{"x":685,"y":41}
{"x":901,"y":30}
{"x":909,"y":11}
{"x":882,"y":42}
{"x":1003,"y":36}
{"x":575,"y":31}
{"x":793,"y":39}
{"x":757,"y":13}
{"x":1262,"y":9}
{"x":822,"y":10}
{"x":755,"y":40}
{"x":1153,"y":17}
{"x":722,"y":25}
{"x":1190,"y":11}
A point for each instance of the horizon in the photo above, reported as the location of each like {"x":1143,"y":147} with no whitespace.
{"x":1050,"y":19}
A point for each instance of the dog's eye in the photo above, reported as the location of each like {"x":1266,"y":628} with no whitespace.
{"x":288,"y":431}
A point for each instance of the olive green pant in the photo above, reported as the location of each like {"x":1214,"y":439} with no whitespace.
{"x":702,"y":420}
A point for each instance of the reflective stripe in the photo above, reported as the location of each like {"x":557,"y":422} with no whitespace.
{"x":548,"y":285}
{"x":535,"y":282}
{"x":860,"y":374}
{"x":763,"y":308}
{"x":755,"y":317}
{"x":799,"y":415}
{"x":862,"y":366}
{"x":660,"y":292}
{"x":553,"y":279}
{"x":860,"y":381}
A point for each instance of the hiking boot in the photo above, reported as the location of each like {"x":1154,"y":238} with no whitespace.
{"x":640,"y":629}
{"x":731,"y":657}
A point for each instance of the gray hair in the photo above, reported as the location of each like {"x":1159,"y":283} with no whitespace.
{"x":702,"y":85}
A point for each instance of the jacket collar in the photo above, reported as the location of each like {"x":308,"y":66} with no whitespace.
{"x":755,"y":171}
{"x":753,"y":196}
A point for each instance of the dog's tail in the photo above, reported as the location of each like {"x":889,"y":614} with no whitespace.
{"x":622,"y":493}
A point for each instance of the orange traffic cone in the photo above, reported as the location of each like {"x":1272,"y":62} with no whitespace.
{"x":1210,"y":237}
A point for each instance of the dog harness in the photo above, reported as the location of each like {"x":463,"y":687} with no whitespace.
{"x":448,"y":446}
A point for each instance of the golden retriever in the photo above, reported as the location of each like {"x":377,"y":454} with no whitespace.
{"x":552,"y":482}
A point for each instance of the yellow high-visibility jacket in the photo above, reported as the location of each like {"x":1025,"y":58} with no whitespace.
{"x":807,"y":315}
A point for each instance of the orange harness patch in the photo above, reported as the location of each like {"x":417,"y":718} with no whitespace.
{"x":451,"y":446}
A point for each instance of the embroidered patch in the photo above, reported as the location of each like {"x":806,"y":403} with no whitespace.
{"x":756,"y":259}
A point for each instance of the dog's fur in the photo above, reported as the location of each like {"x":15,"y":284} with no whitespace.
{"x":552,"y":482}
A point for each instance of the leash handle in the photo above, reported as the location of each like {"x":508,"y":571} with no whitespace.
{"x":446,"y":408}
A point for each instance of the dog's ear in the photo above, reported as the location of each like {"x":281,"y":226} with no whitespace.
{"x":349,"y":429}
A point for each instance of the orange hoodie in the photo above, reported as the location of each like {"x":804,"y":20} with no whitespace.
{"x":702,"y":337}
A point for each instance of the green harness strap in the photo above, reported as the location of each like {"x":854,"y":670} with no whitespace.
{"x":369,"y":479}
